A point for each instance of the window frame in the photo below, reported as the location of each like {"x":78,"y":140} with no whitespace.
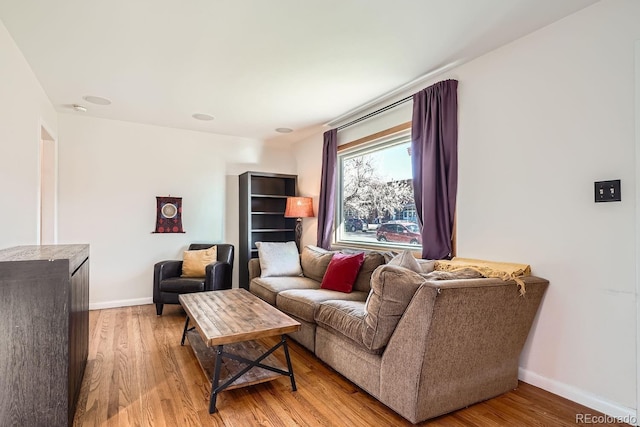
{"x":387,"y":138}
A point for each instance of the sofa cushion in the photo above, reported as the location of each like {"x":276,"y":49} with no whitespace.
{"x":303,"y":303}
{"x":278,"y":259}
{"x":372,"y":260}
{"x":306,"y":336}
{"x":314,"y":261}
{"x":392,"y":288}
{"x":182,"y":285}
{"x":268,"y":288}
{"x":343,"y":317}
{"x":342,"y":272}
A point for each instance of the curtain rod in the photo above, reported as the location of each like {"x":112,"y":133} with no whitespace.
{"x":375,"y":113}
{"x":413,"y":85}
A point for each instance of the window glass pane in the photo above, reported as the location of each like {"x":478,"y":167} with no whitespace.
{"x":375,"y":196}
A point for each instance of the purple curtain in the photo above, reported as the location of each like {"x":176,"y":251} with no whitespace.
{"x":326,"y":204}
{"x":434,"y":159}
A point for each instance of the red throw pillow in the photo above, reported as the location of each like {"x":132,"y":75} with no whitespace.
{"x":342,"y":272}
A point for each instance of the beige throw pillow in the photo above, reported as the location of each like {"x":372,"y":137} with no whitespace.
{"x":194,"y":262}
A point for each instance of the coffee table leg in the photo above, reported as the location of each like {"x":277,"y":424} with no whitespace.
{"x":286,"y":354}
{"x":216,"y":380}
{"x":184,"y":333}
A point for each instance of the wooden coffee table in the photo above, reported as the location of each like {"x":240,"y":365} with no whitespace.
{"x":226,"y":323}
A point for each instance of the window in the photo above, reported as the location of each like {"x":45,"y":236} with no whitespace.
{"x":375,"y":203}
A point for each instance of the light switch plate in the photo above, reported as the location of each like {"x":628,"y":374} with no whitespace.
{"x":607,"y":191}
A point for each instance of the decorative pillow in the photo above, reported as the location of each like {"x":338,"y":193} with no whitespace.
{"x":406,"y":260}
{"x":278,"y":259}
{"x":372,"y":260}
{"x":314,"y":262}
{"x":194,"y":262}
{"x":426,"y":265}
{"x":389,"y":255}
{"x":342,"y":272}
{"x":392,"y":288}
{"x":463,"y":273}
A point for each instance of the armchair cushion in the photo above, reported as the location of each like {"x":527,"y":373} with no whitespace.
{"x":194,"y":262}
{"x":182,"y":285}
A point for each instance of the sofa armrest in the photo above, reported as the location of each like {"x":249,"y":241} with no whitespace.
{"x":254,"y":268}
{"x":458,"y":342}
{"x":402,"y":359}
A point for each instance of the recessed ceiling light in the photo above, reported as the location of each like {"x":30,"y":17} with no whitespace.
{"x":96,"y":100}
{"x":79,"y":107}
{"x":284,"y":130}
{"x":200,"y":116}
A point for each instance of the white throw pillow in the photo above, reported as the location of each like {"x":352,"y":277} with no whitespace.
{"x":406,"y":260}
{"x":279,"y":259}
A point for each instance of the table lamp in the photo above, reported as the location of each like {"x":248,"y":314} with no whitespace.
{"x":299,"y":207}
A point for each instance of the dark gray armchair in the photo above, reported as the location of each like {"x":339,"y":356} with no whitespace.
{"x":167,"y":283}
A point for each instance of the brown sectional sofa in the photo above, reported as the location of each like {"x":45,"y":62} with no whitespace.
{"x":422,"y":347}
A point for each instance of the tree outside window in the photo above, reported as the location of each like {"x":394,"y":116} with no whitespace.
{"x":375,"y":188}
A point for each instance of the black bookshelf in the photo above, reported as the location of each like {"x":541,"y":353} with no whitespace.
{"x":263,"y":198}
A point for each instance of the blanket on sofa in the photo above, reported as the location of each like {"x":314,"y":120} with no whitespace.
{"x":501,"y":270}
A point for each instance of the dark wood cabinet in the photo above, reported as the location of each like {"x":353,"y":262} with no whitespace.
{"x":44,"y":333}
{"x":263,"y":198}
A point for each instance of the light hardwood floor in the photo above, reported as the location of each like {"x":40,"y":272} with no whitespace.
{"x":139,"y":375}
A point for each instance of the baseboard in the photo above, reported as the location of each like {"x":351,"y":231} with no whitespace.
{"x":613,"y":410}
{"x":120,"y":303}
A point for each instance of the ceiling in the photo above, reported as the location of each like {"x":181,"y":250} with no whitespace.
{"x":255,"y":65}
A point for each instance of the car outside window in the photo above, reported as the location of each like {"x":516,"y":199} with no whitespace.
{"x":375,"y":204}
{"x":413,"y":228}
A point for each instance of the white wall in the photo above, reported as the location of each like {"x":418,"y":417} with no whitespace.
{"x":24,"y":108}
{"x":308,"y":153}
{"x":110,"y":175}
{"x":540,"y":120}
